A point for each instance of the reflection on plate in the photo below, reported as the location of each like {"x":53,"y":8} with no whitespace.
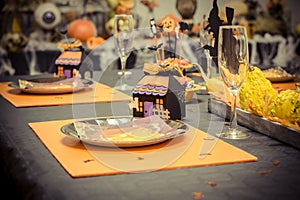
{"x":52,"y":85}
{"x":124,"y":131}
{"x":281,"y":79}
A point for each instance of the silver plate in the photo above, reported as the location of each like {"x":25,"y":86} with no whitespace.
{"x":281,"y":79}
{"x":91,"y":132}
{"x":49,"y":86}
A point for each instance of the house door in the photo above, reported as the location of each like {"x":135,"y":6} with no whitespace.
{"x":148,"y":106}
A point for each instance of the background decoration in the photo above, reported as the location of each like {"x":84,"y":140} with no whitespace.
{"x":169,"y":26}
{"x":47,"y":18}
{"x":82,"y":28}
{"x":214,"y":22}
{"x":118,"y":7}
{"x":240,"y":8}
{"x":150,"y":4}
{"x":14,"y":39}
{"x":47,"y":15}
{"x":187,"y":9}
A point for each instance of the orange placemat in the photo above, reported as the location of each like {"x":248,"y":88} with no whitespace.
{"x":95,"y":93}
{"x":82,"y":160}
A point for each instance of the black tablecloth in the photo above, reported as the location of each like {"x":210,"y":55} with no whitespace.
{"x":35,"y":174}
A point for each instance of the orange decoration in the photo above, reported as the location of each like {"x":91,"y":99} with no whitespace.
{"x":127,"y":3}
{"x":169,"y":22}
{"x":74,"y":44}
{"x":123,"y":10}
{"x":93,"y":42}
{"x":81,"y":29}
{"x":125,"y":6}
{"x":150,"y":4}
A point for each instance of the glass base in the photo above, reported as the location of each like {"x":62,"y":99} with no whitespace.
{"x":233,"y":135}
{"x":126,"y":73}
{"x":124,"y":87}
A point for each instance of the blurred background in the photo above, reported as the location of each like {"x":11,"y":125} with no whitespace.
{"x":31,"y":30}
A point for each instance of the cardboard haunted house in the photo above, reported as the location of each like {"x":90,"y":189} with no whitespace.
{"x":161,"y":95}
{"x":161,"y":90}
{"x":73,"y":62}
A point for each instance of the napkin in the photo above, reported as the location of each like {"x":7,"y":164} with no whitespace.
{"x":68,"y":82}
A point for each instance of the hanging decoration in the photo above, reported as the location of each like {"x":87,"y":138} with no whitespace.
{"x":167,"y":37}
{"x":214,"y":22}
{"x":187,"y":9}
{"x":47,"y":15}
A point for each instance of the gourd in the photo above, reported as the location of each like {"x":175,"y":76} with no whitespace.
{"x":287,"y":106}
{"x":257,"y":94}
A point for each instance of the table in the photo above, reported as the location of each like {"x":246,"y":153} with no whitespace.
{"x":29,"y":171}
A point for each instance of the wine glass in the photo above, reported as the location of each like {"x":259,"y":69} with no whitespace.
{"x":233,"y":62}
{"x":123,"y":37}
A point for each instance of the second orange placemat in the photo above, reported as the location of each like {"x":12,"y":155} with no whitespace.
{"x":94,"y":94}
{"x":81,"y":160}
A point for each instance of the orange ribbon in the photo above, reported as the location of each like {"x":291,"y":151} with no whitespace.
{"x":74,"y":44}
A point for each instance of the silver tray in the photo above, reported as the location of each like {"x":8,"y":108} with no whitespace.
{"x":262,"y":125}
{"x":94,"y":132}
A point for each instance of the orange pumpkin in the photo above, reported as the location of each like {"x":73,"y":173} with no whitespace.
{"x":82,"y":29}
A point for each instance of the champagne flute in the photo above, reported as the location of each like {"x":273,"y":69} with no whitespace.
{"x":123,"y":29}
{"x":233,"y":62}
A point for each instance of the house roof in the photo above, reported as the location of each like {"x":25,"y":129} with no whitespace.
{"x":158,"y":85}
{"x":69,"y":58}
{"x":152,"y":85}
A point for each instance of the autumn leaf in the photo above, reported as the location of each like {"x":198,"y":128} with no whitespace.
{"x":275,"y":162}
{"x":210,"y":183}
{"x":140,"y":158}
{"x":263,"y":172}
{"x":198,"y":195}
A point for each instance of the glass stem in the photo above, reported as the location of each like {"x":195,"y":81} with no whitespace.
{"x":123,"y":65}
{"x":233,"y":118}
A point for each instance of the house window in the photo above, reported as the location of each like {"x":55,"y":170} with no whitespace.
{"x":161,"y":102}
{"x":141,"y":106}
{"x":60,"y":71}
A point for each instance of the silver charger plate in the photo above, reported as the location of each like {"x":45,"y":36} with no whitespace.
{"x":91,"y":132}
{"x":52,"y":85}
{"x":281,"y":79}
